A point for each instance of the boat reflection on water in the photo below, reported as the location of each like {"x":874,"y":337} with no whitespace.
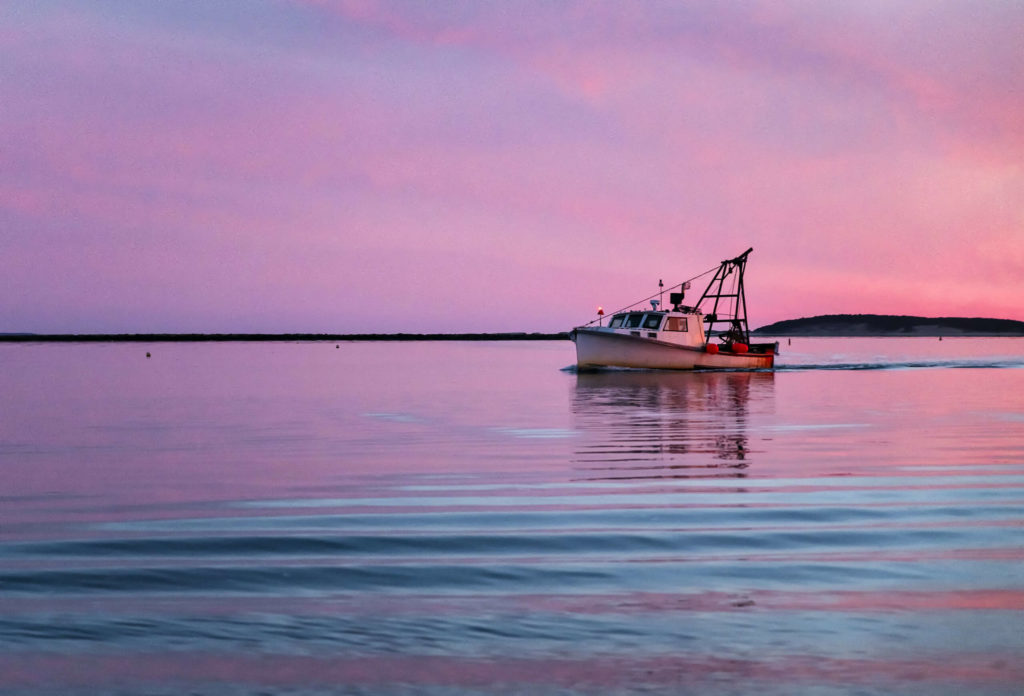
{"x":655,"y":425}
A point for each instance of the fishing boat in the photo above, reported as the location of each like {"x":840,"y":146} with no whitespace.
{"x":681,"y":337}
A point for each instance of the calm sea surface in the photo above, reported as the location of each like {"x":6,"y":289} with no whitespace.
{"x":464,"y":518}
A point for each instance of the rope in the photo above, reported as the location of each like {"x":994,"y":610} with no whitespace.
{"x":660,"y":291}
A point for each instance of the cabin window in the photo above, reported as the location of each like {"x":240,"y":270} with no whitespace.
{"x":676,"y":324}
{"x":617,"y":321}
{"x":653,"y":321}
{"x":633,"y":320}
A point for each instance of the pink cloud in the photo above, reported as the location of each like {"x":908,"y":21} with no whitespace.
{"x":558,"y":150}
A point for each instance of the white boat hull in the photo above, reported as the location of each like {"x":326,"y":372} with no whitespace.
{"x":596,"y":348}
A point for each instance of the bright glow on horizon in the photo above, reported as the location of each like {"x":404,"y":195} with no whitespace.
{"x":353,"y":165}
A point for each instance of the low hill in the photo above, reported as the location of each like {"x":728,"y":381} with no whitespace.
{"x":891,"y":325}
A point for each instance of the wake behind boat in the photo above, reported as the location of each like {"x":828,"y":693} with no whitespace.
{"x":683,"y":337}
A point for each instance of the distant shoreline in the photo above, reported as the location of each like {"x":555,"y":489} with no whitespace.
{"x":823,"y":326}
{"x":239,"y":337}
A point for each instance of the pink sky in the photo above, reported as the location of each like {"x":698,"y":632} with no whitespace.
{"x":349,"y":166}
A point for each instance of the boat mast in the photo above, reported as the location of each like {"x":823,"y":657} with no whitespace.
{"x":734,"y":307}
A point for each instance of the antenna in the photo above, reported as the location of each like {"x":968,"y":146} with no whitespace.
{"x":660,"y":290}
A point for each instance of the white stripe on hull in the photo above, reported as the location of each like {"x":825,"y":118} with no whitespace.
{"x":595,"y":348}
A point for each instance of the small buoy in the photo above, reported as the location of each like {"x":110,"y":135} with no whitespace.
{"x":335,"y":345}
{"x":712,"y":348}
{"x":147,"y":353}
{"x":740,"y":348}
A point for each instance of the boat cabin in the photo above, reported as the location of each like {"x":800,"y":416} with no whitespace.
{"x":669,"y":326}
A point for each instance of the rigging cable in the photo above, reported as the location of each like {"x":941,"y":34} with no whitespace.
{"x":648,"y":299}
